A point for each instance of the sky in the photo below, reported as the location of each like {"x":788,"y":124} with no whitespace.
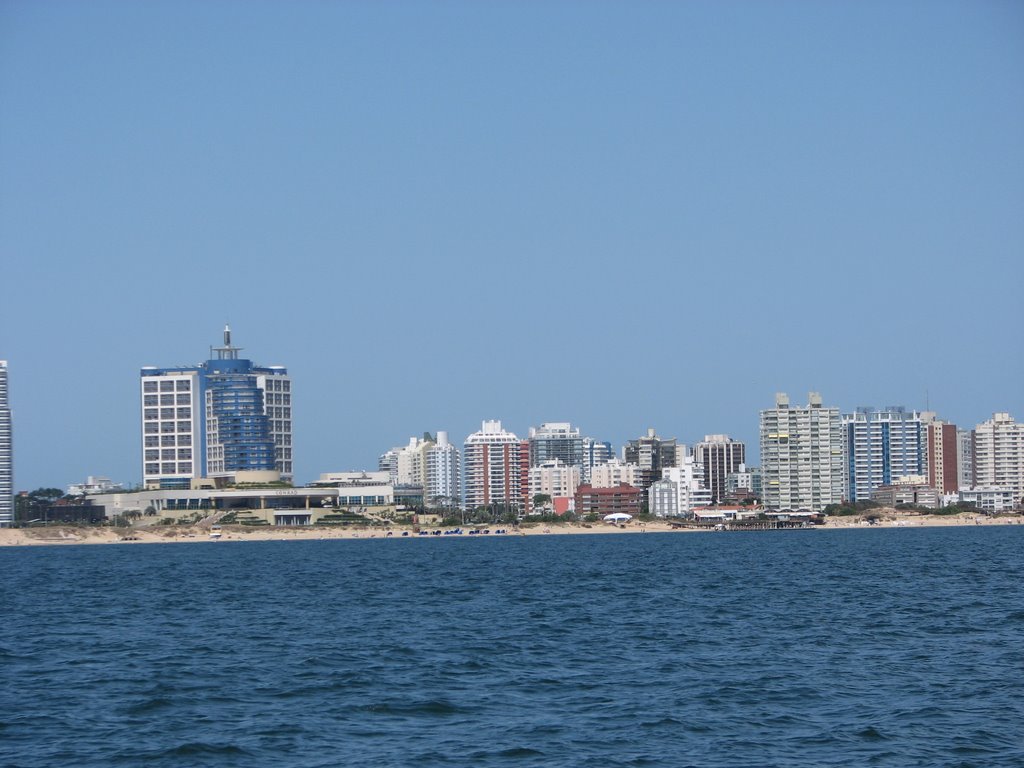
{"x":619,"y":214}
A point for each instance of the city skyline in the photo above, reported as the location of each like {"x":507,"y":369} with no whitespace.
{"x":438,"y":214}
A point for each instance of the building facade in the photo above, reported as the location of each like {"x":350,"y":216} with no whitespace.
{"x":651,"y":454}
{"x":613,"y":473}
{"x":801,"y":455}
{"x":720,"y":456}
{"x":555,"y":479}
{"x":680,"y":490}
{"x":555,"y":440}
{"x":6,"y":452}
{"x":443,"y":474}
{"x":999,"y":455}
{"x":224,"y":416}
{"x":492,"y":468}
{"x":622,"y":498}
{"x":941,"y":454}
{"x":879,"y":446}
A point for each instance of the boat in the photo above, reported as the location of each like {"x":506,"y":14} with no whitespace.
{"x":215,"y":532}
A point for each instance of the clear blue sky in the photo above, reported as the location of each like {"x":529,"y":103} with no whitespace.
{"x":617,"y":214}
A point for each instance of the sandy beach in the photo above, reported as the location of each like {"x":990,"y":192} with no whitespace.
{"x":73,"y":535}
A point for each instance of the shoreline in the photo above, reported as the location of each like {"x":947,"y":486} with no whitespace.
{"x":73,"y":535}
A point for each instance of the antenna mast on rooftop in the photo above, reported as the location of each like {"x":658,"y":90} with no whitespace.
{"x":227,"y":352}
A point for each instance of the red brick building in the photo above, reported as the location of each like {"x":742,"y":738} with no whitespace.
{"x":606,"y":501}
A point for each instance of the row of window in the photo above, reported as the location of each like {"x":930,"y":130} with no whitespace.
{"x":179,"y":399}
{"x":169,"y":468}
{"x":169,"y":454}
{"x":169,"y":385}
{"x":278,"y":386}
{"x":279,"y":413}
{"x":152,"y":427}
{"x":164,"y":441}
{"x":276,"y":399}
{"x":152,"y":414}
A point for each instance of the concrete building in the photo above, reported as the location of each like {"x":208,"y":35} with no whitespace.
{"x":879,"y":446}
{"x":680,"y":491}
{"x":443,"y":474}
{"x":744,"y":483}
{"x":94,"y":485}
{"x":651,"y":454}
{"x":555,"y":440}
{"x":607,"y":501}
{"x":720,"y":456}
{"x":492,"y":467}
{"x":999,"y":454}
{"x":595,"y":453}
{"x":6,"y":452}
{"x":941,"y":454}
{"x":555,"y":479}
{"x":801,"y":455}
{"x":989,"y":500}
{"x":213,"y":420}
{"x":613,"y":473}
{"x":965,"y":457}
{"x":912,"y":490}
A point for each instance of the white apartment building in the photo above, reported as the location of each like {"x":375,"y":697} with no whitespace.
{"x":555,"y":479}
{"x":801,"y":455}
{"x":491,"y":467}
{"x":680,"y":490}
{"x":443,"y":475}
{"x":999,"y":454}
{"x":6,"y":453}
{"x":613,"y":472}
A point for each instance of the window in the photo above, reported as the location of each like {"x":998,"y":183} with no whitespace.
{"x":150,"y":400}
{"x":166,"y":399}
{"x":184,"y":385}
{"x":152,"y":441}
{"x":152,"y":469}
{"x":185,"y":454}
{"x":167,"y":453}
{"x":185,"y":469}
{"x":185,"y":440}
{"x":184,"y":399}
{"x":166,"y":413}
{"x":149,"y":386}
{"x":184,"y":426}
{"x":184,"y":413}
{"x":150,"y":414}
{"x":153,"y":455}
{"x":166,"y":386}
{"x":167,"y":468}
{"x":151,"y":428}
{"x":167,"y":426}
{"x":167,"y":440}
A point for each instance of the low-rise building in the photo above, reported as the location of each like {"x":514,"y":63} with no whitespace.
{"x":990,"y":500}
{"x":622,"y":498}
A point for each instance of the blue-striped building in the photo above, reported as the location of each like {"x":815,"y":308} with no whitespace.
{"x":224,"y":416}
{"x":879,"y":447}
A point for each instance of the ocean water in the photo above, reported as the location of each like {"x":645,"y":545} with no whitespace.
{"x":897,"y":647}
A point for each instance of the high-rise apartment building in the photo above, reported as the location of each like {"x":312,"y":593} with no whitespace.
{"x":801,"y":455}
{"x":6,"y":453}
{"x":443,"y":473}
{"x":999,"y":455}
{"x":720,"y":456}
{"x":651,"y":454}
{"x":881,"y":446}
{"x":680,"y":490}
{"x":553,"y":478}
{"x":555,"y":440}
{"x":224,"y":416}
{"x":492,"y":467}
{"x":941,"y":454}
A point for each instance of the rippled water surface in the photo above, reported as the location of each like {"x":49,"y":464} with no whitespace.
{"x":791,"y":648}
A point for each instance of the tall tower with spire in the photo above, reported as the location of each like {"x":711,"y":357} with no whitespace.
{"x":224,"y":416}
